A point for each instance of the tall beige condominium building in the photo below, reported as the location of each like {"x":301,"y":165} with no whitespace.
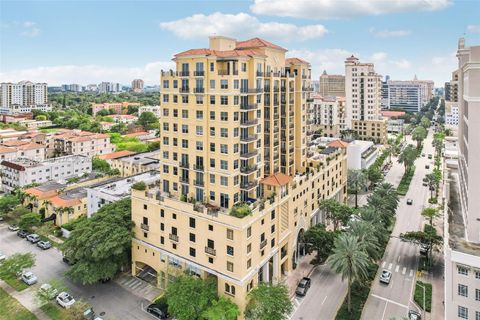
{"x":236,"y":189}
{"x":462,"y":231}
{"x":137,"y":85}
{"x":23,"y":96}
{"x":332,"y":85}
{"x":363,"y":101}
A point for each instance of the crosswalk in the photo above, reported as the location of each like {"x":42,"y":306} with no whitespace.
{"x":398,"y":269}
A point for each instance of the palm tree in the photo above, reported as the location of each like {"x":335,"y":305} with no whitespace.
{"x":419,"y":134}
{"x":356,"y":181}
{"x":407,"y":157}
{"x":365,"y":232}
{"x":350,"y":260}
{"x":430,"y":213}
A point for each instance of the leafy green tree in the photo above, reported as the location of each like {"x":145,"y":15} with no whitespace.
{"x":103,"y":113}
{"x":189,"y":297}
{"x":41,"y":118}
{"x":385,"y":201}
{"x":100,"y":165}
{"x":101,"y":245}
{"x":75,"y":312}
{"x":18,"y":212}
{"x":424,"y":122}
{"x":16,"y":263}
{"x":152,"y":146}
{"x":148,"y":120}
{"x":374,"y":175}
{"x":356,"y":181}
{"x":119,"y":128}
{"x":29,"y":220}
{"x":349,"y":260}
{"x":419,"y":134}
{"x":268,"y":302}
{"x":8,"y":203}
{"x":430,"y":214}
{"x":428,"y":236}
{"x":321,"y":240}
{"x":222,"y":309}
{"x":329,"y":206}
{"x":407,"y":157}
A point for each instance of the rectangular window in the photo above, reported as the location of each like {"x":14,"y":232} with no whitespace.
{"x":199,"y":145}
{"x":192,"y":237}
{"x":212,"y":84}
{"x":192,"y":222}
{"x":477,"y":294}
{"x":229,"y":234}
{"x":224,"y":181}
{"x":224,"y":132}
{"x":249,"y":232}
{"x":223,"y":165}
{"x":212,"y":178}
{"x":224,"y":116}
{"x":199,"y":130}
{"x":199,"y":114}
{"x":212,"y":99}
{"x":462,"y":312}
{"x":223,"y":84}
{"x":462,"y":290}
{"x":230,"y":251}
{"x":249,"y":263}
{"x":224,"y":100}
{"x":249,"y":248}
{"x":230,"y":266}
{"x":192,"y":252}
{"x":185,"y":114}
{"x":223,"y":148}
{"x":462,"y":270}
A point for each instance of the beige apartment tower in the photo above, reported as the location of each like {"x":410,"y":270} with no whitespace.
{"x":332,"y":85}
{"x":237,"y":188}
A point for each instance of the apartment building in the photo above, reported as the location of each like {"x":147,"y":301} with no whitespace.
{"x":363,"y":101}
{"x":80,"y":142}
{"x":328,"y":115}
{"x":118,"y":108}
{"x":13,"y":149}
{"x":332,"y":85}
{"x":153,"y":109}
{"x":406,"y":95}
{"x":462,"y":229}
{"x":133,"y":164}
{"x":237,"y":188}
{"x":23,"y":171}
{"x":137,"y":85}
{"x":22,"y":97}
{"x":451,"y":113}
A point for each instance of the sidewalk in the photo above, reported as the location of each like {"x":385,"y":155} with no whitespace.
{"x":25,"y":297}
{"x":304,"y":269}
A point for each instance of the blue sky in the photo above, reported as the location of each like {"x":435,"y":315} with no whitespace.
{"x":92,"y":41}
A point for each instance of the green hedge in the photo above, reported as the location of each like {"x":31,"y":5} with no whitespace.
{"x":404,"y":184}
{"x":418,"y":297}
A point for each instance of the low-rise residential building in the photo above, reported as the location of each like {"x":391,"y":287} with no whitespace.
{"x":81,"y":142}
{"x":153,"y":109}
{"x":328,"y":115}
{"x":23,"y":171}
{"x":116,"y":189}
{"x":13,"y":149}
{"x":109,"y":157}
{"x":373,"y":130}
{"x":395,"y":124}
{"x":361,"y":154}
{"x":118,"y":108}
{"x":35,"y":124}
{"x":106,"y":126}
{"x":124,"y":118}
{"x":129,"y":165}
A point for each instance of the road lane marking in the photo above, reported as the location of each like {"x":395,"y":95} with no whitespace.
{"x":398,"y":260}
{"x":411,"y":273}
{"x":390,"y":301}
{"x":396,"y":269}
{"x":383,"y":264}
{"x":324,"y":300}
{"x":404,"y":270}
{"x":390,"y":266}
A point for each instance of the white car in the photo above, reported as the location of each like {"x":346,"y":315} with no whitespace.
{"x":48,"y":291}
{"x":33,"y":238}
{"x":29,"y":278}
{"x":13,"y":227}
{"x":65,"y":300}
{"x":2,"y":256}
{"x":385,"y":277}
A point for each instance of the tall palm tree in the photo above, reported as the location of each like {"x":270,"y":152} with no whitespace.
{"x":365,"y":232}
{"x":419,"y":134}
{"x":350,"y":260}
{"x":407,"y":157}
{"x":356,"y":181}
{"x":430,"y":213}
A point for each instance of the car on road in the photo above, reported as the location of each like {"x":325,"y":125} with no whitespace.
{"x":22,"y":233}
{"x":385,"y":277}
{"x":44,"y":245}
{"x":2,"y":256}
{"x":158,"y":310}
{"x":13,"y":227}
{"x":48,"y":291}
{"x":89,"y":314}
{"x":423,"y":154}
{"x":424,"y":247}
{"x":29,"y":278}
{"x":303,"y":286}
{"x":65,"y":300}
{"x":429,"y":156}
{"x":409,"y":202}
{"x":427,"y":166}
{"x":33,"y":238}
{"x":425,"y":184}
{"x":413,"y":315}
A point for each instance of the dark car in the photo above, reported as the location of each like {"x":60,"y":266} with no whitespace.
{"x":427,"y":166}
{"x":68,"y":261}
{"x":409,"y":202}
{"x":303,"y":286}
{"x":22,"y":233}
{"x":159,"y":311}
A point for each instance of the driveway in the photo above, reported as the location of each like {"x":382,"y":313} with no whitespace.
{"x":109,"y":299}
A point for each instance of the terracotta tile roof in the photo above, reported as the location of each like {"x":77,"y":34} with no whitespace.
{"x":221,"y":54}
{"x":117,"y":154}
{"x":277,"y":179}
{"x":389,"y":114}
{"x":338,"y":144}
{"x":6,"y":150}
{"x":257,"y":42}
{"x":41,"y":195}
{"x":15,"y":143}
{"x":30,"y":146}
{"x":57,"y":201}
{"x":295,"y":61}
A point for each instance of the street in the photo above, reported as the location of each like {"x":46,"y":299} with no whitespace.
{"x":109,"y":300}
{"x":401,"y":258}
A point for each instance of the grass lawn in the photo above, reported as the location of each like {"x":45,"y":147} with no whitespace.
{"x":404,"y":184}
{"x":11,"y":309}
{"x":15,"y":283}
{"x":418,"y":296}
{"x":54,"y":311}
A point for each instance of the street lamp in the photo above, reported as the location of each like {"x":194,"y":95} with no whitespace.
{"x":424,"y":306}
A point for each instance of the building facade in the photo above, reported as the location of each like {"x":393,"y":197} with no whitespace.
{"x":408,"y":96}
{"x":237,"y":189}
{"x":80,"y":142}
{"x":451,"y":113}
{"x":332,"y":85}
{"x":153,"y":109}
{"x":130,"y":165}
{"x":137,"y":85}
{"x":328,"y":115}
{"x":23,"y":97}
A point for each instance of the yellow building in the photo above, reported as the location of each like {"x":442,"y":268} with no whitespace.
{"x":236,"y":189}
{"x":133,"y":164}
{"x":373,"y":130}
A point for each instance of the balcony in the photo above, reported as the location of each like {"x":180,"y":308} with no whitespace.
{"x":199,"y":90}
{"x":199,"y":183}
{"x":210,"y":251}
{"x":255,"y":90}
{"x":248,"y":169}
{"x":184,"y":73}
{"x":247,"y":185}
{"x":304,"y":76}
{"x":173,"y":237}
{"x":198,"y":167}
{"x":199,"y":73}
{"x":144,"y":227}
{"x":184,"y":89}
{"x":249,"y":138}
{"x":248,"y":123}
{"x":248,"y":155}
{"x":223,"y":72}
{"x":183,"y":180}
{"x":183,"y":164}
{"x":263,"y":244}
{"x":248,"y":107}
{"x":259,"y":74}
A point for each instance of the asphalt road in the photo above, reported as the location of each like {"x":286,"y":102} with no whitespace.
{"x":401,"y":258}
{"x":109,"y":299}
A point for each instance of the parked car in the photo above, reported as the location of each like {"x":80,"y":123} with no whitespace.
{"x":429,"y":156}
{"x":432,"y":188}
{"x":44,"y":245}
{"x":427,"y":166}
{"x":68,"y":261}
{"x":33,"y":238}
{"x":409,"y":202}
{"x":303,"y":286}
{"x":48,"y":291}
{"x":29,"y":278}
{"x":424,"y":247}
{"x":159,"y":311}
{"x":1,"y":218}
{"x":413,"y":315}
{"x":2,"y":256}
{"x":22,"y":233}
{"x":65,"y":300}
{"x":13,"y":227}
{"x":385,"y":277}
{"x":89,"y":314}
{"x":425,"y":184}
{"x":423,"y":154}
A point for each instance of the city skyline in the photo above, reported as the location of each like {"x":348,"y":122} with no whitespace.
{"x":393,"y":35}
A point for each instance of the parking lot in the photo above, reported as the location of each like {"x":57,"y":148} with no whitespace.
{"x":109,"y":299}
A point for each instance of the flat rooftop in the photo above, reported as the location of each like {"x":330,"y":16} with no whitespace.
{"x":144,"y":158}
{"x":121,"y":187}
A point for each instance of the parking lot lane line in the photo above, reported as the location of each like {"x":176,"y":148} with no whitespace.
{"x":396,"y":268}
{"x":404,"y":270}
{"x":390,"y":266}
{"x":411,"y":273}
{"x":383,"y":264}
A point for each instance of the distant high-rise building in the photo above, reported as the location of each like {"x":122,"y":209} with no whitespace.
{"x":91,"y":87}
{"x":71,"y":87}
{"x":23,"y":97}
{"x":107,"y":87}
{"x":137,"y":85}
{"x":332,"y":85}
{"x":363,"y":101}
{"x":407,"y":95}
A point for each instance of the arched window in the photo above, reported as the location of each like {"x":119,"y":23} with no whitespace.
{"x":232,"y":290}
{"x":227,"y":287}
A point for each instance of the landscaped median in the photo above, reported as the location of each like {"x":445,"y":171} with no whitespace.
{"x":423,"y":292}
{"x":404,"y":184}
{"x":11,"y":309}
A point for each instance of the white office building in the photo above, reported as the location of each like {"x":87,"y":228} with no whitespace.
{"x":408,"y":96}
{"x":361,"y":154}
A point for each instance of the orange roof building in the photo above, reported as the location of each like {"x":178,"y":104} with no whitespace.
{"x":277,"y":180}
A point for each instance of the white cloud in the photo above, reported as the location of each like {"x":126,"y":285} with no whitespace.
{"x":331,"y":9}
{"x":378,"y":56}
{"x":402,"y":63}
{"x":240,"y":25}
{"x":473,"y":28}
{"x":30,"y":32}
{"x":389,"y":33}
{"x":85,"y":74}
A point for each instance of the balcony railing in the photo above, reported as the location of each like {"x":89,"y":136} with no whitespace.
{"x":263,"y":244}
{"x":198,"y":167}
{"x":173,"y":237}
{"x":199,"y":73}
{"x":183,"y":164}
{"x":259,"y":74}
{"x":199,"y":90}
{"x":144,"y":227}
{"x":247,"y":185}
{"x":199,"y":183}
{"x":183,"y":180}
{"x":247,"y":155}
{"x":210,"y":251}
{"x":247,"y":107}
{"x":183,"y":73}
{"x":248,"y":169}
{"x":184,"y":89}
{"x":248,"y":122}
{"x":223,"y":72}
{"x":249,"y":138}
